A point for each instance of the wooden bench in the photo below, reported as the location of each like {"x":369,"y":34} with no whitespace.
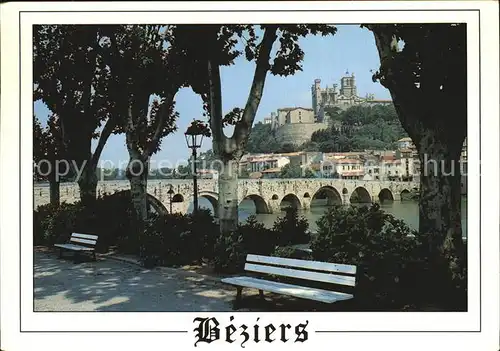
{"x":299,"y":269}
{"x":79,"y":243}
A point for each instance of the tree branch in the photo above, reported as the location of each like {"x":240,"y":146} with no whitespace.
{"x":162,"y":118}
{"x":390,"y":78}
{"x":242,"y":128}
{"x":215,"y":109}
{"x":105,"y":134}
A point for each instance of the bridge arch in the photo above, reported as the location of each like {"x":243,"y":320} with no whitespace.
{"x":290,"y":200}
{"x":178,"y":198}
{"x":329,"y":193}
{"x":259,"y":203}
{"x":275,"y":197}
{"x":154,"y":205}
{"x":385,"y":195}
{"x":360,"y":195}
{"x":213,"y":199}
{"x":405,"y":194}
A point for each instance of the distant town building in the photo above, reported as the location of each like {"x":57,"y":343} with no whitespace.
{"x":291,"y":115}
{"x":405,"y":143}
{"x":295,"y":125}
{"x":266,"y":162}
{"x":343,"y":168}
{"x":208,"y":174}
{"x":342,"y":98}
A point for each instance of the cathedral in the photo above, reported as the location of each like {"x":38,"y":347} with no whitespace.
{"x":342,"y":98}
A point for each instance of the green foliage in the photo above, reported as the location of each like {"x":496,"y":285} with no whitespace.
{"x":198,"y":127}
{"x":55,"y":223}
{"x":163,"y":239}
{"x":231,"y":249}
{"x":291,"y":229}
{"x":387,"y":257}
{"x":176,"y":239}
{"x":288,"y":147}
{"x":362,"y":127}
{"x":290,"y":252}
{"x":290,"y":171}
{"x":71,"y":78}
{"x":49,"y":148}
{"x":262,"y":140}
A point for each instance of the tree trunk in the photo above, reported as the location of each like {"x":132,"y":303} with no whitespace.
{"x":55,"y":192}
{"x":439,"y":209}
{"x":88,"y":186}
{"x":228,"y":196}
{"x":137,"y":174}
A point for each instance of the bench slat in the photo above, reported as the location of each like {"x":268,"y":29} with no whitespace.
{"x":316,"y":265}
{"x":289,"y":289}
{"x":83,"y":241}
{"x":74,"y":247}
{"x":85,"y":236}
{"x":314,"y":276}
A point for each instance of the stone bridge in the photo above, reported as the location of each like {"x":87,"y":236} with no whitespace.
{"x":268,"y":195}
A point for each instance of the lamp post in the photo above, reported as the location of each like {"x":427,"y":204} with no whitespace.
{"x":170,"y":192}
{"x":194,"y":137}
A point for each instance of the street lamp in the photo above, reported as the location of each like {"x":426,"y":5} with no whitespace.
{"x":194,"y":137}
{"x":170,"y":192}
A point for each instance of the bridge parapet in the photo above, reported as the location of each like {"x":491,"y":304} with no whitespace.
{"x":272,"y":192}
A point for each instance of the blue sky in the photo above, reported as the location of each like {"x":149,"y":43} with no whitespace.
{"x":327,"y":58}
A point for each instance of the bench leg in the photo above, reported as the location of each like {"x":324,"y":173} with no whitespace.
{"x":261,"y":294}
{"x":237,"y":301}
{"x":60,"y":252}
{"x":93,"y":254}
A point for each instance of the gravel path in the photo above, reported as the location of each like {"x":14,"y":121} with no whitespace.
{"x":108,"y":285}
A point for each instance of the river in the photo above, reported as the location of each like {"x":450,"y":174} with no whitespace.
{"x":405,"y":210}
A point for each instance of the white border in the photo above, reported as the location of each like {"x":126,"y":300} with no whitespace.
{"x":317,"y":321}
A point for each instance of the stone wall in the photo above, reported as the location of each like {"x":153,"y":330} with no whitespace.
{"x":297,"y":133}
{"x":266,"y":194}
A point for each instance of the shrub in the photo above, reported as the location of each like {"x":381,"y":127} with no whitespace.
{"x":111,"y":217}
{"x":231,"y":249}
{"x":177,"y":239}
{"x":163,"y":239}
{"x":290,"y":252}
{"x":204,"y":232}
{"x":53,"y":224}
{"x":378,"y":244}
{"x":290,"y":229}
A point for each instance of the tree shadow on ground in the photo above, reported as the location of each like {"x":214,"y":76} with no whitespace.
{"x":108,"y":285}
